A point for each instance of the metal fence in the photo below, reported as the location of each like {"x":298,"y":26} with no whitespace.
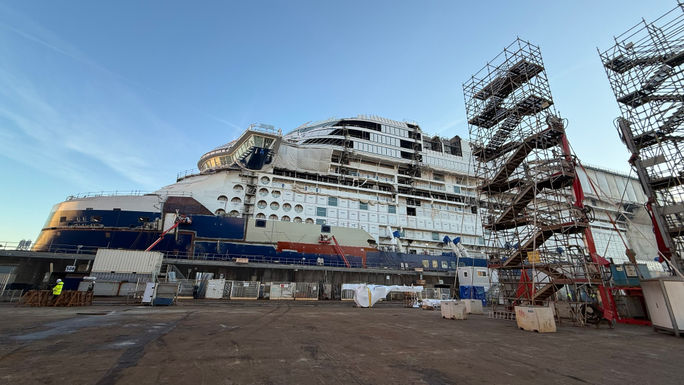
{"x":245,"y":290}
{"x":11,"y":295}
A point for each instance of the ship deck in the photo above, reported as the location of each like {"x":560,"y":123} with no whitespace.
{"x":265,"y":342}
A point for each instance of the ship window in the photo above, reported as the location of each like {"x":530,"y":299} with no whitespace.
{"x":98,"y":218}
{"x":298,"y":208}
{"x":234,"y":213}
{"x":220,"y":212}
{"x":236,"y":201}
{"x":263,"y":192}
{"x":411,"y":211}
{"x":320,"y":221}
{"x":481,"y":273}
{"x":438,"y":177}
{"x":412,"y":202}
{"x":332,"y":201}
{"x":309,"y":220}
{"x":62,"y":219}
{"x":274,"y":206}
{"x":445,"y":265}
{"x":260,"y":216}
{"x":238,"y":188}
{"x":434,"y":264}
{"x":321,"y":211}
{"x":325,"y":229}
{"x":285,"y":218}
{"x":261,"y":204}
{"x":435,"y":236}
{"x":260,"y":223}
{"x":222,"y":198}
{"x":275,"y":193}
{"x":116,"y":209}
{"x":426,"y":263}
{"x":272,"y":217}
{"x":88,"y":208}
{"x":392,"y":209}
{"x":473,"y":209}
{"x":297,"y":220}
{"x":287,"y":207}
{"x":457,"y":189}
{"x":265,"y":180}
{"x":363,"y":206}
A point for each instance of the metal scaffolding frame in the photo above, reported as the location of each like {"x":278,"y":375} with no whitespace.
{"x":536,"y":227}
{"x":645,"y":71}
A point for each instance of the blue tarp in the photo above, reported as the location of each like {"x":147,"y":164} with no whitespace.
{"x":473,"y":292}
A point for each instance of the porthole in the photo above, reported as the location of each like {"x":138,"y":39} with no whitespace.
{"x":274,"y":206}
{"x":261,"y":204}
{"x":299,"y":208}
{"x":265,"y":180}
{"x":297,"y":220}
{"x":275,"y":193}
{"x":272,"y":217}
{"x":222,"y":198}
{"x":285,"y":218}
{"x":260,"y":216}
{"x":236,"y":201}
{"x":287,"y":207}
{"x":263,"y":192}
{"x":309,"y":220}
{"x":220,"y":212}
{"x":234,"y":213}
{"x":238,"y":188}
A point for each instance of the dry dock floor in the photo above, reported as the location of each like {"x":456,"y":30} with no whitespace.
{"x":317,"y":343}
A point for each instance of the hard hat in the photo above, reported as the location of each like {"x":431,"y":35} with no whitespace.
{"x":59,"y":280}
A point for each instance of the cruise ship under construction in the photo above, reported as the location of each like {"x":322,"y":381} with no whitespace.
{"x":381,"y":197}
{"x":360,"y":192}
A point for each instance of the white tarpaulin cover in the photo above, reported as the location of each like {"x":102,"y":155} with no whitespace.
{"x":291,"y":157}
{"x":369,"y":295}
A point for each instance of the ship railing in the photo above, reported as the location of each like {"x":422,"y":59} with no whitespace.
{"x":94,"y":194}
{"x":186,"y":173}
{"x":355,"y":262}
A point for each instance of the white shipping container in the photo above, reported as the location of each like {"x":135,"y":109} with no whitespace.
{"x":127,"y":261}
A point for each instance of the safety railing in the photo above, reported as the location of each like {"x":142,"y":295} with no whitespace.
{"x":314,"y":260}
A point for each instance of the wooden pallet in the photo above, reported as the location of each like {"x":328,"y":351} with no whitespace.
{"x":68,"y":298}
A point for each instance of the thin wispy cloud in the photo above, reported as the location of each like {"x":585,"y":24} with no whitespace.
{"x":62,"y":119}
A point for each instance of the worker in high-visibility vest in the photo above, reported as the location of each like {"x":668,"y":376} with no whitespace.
{"x":57,"y":290}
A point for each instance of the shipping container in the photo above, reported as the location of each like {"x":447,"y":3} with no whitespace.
{"x":127,"y":261}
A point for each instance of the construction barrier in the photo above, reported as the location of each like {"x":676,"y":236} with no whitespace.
{"x":306,"y":291}
{"x":245,"y":290}
{"x":282,"y":290}
{"x":67,"y":298}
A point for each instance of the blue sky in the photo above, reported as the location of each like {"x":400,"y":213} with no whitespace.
{"x":122,"y":95}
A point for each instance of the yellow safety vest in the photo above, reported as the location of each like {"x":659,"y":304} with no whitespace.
{"x":57,"y":290}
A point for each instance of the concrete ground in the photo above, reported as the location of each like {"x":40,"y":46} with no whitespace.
{"x":317,"y":343}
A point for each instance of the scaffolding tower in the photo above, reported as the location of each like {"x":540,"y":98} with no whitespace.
{"x":536,"y":227}
{"x":645,"y":71}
